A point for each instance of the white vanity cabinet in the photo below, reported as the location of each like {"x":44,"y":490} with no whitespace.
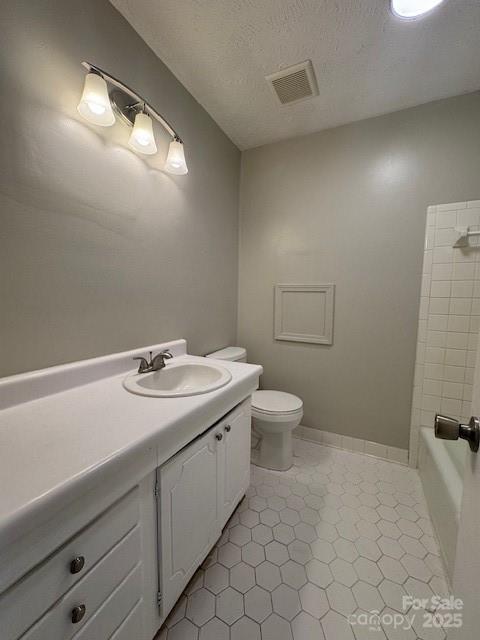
{"x":198,"y":490}
{"x":235,"y":467}
{"x":85,"y":589}
{"x":91,"y":571}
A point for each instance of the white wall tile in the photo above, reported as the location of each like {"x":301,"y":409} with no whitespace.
{"x":458,"y":323}
{"x":449,"y":321}
{"x":436,"y":339}
{"x":451,"y":407}
{"x":423,"y":311}
{"x":444,"y":270}
{"x":332,"y":439}
{"x":462,"y":289}
{"x":467,"y":392}
{"x":474,"y":324}
{"x":422,"y":330}
{"x":430,"y":403}
{"x":375,"y":449}
{"x":438,"y":322}
{"x":435,"y":355}
{"x":397,"y":455}
{"x":471,"y":358}
{"x":419,"y":373}
{"x":427,"y":262}
{"x":462,"y":271}
{"x":446,"y":219}
{"x":434,"y":371}
{"x":461,"y":306}
{"x":475,"y":307}
{"x":465,"y":254}
{"x":451,"y":206}
{"x":427,"y":418}
{"x":441,"y":290}
{"x":444,"y":237}
{"x":439,"y":306}
{"x":453,"y":390}
{"x":426,"y":282}
{"x":432,"y":387}
{"x":468,"y":218}
{"x":466,"y":410}
{"x":457,"y":340}
{"x":453,"y":374}
{"x":442,"y":254}
{"x":473,"y":341}
{"x":455,"y":357}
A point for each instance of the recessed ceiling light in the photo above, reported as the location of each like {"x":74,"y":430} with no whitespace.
{"x":413,"y":8}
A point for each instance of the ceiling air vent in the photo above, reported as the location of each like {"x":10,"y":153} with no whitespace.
{"x":295,"y":83}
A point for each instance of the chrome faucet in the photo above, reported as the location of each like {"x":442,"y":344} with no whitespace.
{"x":154,"y":364}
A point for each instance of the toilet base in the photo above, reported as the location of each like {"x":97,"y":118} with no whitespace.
{"x":275,"y":450}
{"x":275,"y":453}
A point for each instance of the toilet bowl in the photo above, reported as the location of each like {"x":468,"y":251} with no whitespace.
{"x":274,"y":416}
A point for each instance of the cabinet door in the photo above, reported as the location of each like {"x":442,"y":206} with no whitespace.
{"x":190,"y":521}
{"x":235,"y":476}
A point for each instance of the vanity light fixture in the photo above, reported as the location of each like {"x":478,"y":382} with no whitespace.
{"x":176,"y":158}
{"x":103,"y":95}
{"x":408,"y":9}
{"x":95,"y":105}
{"x":142,"y":138}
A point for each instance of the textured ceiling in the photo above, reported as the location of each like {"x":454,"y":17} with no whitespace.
{"x":367,"y":62}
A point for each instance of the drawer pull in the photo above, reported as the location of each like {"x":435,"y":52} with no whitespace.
{"x":78,"y":613}
{"x":218,"y":436}
{"x":228,"y":428}
{"x":77,"y":564}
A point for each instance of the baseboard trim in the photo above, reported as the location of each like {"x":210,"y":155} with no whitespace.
{"x":374,"y":449}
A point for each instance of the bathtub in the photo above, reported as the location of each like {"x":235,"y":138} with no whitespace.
{"x":440,"y":465}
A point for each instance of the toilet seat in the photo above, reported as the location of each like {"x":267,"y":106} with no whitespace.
{"x":276,"y":403}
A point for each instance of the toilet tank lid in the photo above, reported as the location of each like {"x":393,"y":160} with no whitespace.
{"x":229,"y":353}
{"x":276,"y":401}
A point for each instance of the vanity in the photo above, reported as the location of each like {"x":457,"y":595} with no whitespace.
{"x":111,"y":499}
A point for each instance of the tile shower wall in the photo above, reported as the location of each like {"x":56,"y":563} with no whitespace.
{"x":449,"y":318}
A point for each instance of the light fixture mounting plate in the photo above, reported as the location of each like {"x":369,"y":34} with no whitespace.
{"x":125,"y":106}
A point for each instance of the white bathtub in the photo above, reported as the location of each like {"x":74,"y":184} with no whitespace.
{"x":440,"y":464}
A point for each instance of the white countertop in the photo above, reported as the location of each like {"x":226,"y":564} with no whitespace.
{"x":53,"y":446}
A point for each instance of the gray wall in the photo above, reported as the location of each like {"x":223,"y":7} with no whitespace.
{"x":100,"y":250}
{"x":348,"y":206}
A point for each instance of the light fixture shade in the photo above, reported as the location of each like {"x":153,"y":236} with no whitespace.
{"x":175,"y":162}
{"x":413,"y":8}
{"x":95,"y":104}
{"x":142,"y":138}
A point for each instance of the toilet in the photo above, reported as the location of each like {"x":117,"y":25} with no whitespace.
{"x":275,"y":414}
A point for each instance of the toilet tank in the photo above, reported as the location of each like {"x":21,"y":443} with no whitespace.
{"x":234,"y":354}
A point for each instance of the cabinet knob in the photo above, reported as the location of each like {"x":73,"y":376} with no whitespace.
{"x":218,"y":436}
{"x":228,"y":428}
{"x":78,"y":613}
{"x":77,"y":564}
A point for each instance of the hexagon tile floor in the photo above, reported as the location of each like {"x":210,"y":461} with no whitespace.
{"x":338,"y":534}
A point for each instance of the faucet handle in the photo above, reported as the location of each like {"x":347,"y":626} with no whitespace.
{"x":144,"y":364}
{"x":166,"y":354}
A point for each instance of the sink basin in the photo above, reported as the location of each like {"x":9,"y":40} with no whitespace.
{"x":177,"y":380}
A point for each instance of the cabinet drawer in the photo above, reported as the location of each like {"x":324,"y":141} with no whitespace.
{"x":131,"y":626}
{"x":110,"y":618}
{"x":90,"y":592}
{"x":30,"y":597}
